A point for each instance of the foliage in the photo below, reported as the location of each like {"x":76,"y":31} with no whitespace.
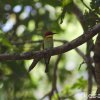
{"x":23,"y":21}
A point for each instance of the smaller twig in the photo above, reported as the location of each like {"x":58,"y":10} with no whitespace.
{"x":44,"y":96}
{"x":85,"y":5}
{"x":22,"y":43}
{"x":81,"y":65}
{"x":57,"y":94}
{"x":86,"y":60}
{"x":81,"y":53}
{"x":54,"y":81}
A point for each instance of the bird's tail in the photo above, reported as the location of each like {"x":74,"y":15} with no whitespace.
{"x":46,"y":68}
{"x":47,"y":64}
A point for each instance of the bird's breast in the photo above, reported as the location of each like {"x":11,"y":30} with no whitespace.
{"x":48,"y":43}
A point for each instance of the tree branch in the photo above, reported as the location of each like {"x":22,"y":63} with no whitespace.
{"x":54,"y":81}
{"x":55,"y":51}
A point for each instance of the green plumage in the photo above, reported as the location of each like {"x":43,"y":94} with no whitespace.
{"x":48,"y":43}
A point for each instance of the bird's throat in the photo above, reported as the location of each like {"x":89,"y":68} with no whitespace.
{"x":49,"y":36}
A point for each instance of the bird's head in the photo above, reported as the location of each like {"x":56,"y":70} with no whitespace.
{"x":49,"y":34}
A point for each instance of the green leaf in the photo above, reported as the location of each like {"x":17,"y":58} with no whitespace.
{"x":66,"y":2}
{"x":80,"y":83}
{"x":4,"y":41}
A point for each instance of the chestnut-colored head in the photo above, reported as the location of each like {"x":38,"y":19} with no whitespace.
{"x":49,"y":33}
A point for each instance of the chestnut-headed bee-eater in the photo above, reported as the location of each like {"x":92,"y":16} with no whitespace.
{"x":48,"y":44}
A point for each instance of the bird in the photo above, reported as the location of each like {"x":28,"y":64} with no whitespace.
{"x":48,"y":44}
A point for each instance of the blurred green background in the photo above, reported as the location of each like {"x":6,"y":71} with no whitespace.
{"x":24,"y":21}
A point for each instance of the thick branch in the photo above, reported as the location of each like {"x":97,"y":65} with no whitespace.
{"x":55,"y":51}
